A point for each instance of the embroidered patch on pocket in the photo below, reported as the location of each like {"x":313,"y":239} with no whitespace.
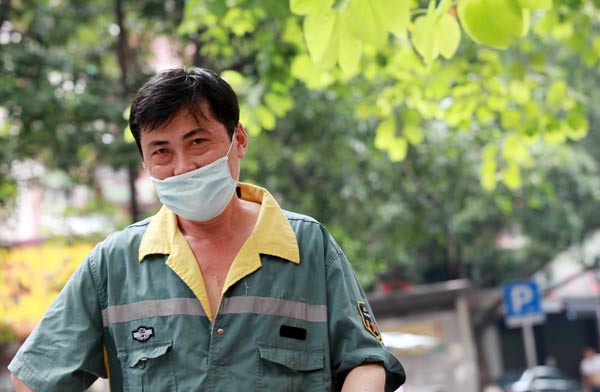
{"x":142,"y":334}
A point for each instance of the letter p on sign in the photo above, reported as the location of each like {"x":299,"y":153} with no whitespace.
{"x":522,"y":303}
{"x":521,"y":296}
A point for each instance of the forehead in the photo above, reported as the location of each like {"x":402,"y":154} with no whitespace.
{"x":184,"y":121}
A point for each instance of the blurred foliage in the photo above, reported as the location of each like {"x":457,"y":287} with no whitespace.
{"x":7,"y":335}
{"x":426,"y":218}
{"x":513,"y":102}
{"x":64,"y":86}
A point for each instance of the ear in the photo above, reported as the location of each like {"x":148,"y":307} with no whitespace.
{"x":241,"y":138}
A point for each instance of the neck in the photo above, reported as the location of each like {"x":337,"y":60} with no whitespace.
{"x":237,"y":217}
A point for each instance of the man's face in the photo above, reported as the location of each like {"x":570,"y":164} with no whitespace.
{"x":185,"y":144}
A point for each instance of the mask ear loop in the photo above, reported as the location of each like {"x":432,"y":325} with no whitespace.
{"x":231,"y":144}
{"x":236,"y":178}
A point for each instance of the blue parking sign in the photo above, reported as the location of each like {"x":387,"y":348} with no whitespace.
{"x":522,"y":303}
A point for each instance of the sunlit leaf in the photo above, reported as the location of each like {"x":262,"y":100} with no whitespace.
{"x":489,"y":167}
{"x":292,"y":32}
{"x":321,"y":35}
{"x":371,"y":20}
{"x":448,"y":35}
{"x":411,"y":128}
{"x":536,"y":4}
{"x":385,"y":133}
{"x":397,"y":149}
{"x":265,"y":118}
{"x":234,"y":78}
{"x":578,"y":125}
{"x":349,"y":49}
{"x":491,"y":22}
{"x":305,"y":70}
{"x":511,"y":176}
{"x":279,"y":104}
{"x":519,"y":91}
{"x":423,"y":35}
{"x":304,"y":7}
{"x":556,"y":93}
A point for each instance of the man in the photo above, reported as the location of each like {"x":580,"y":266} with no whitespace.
{"x":590,"y":370}
{"x":220,"y":290}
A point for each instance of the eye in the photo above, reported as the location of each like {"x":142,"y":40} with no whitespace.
{"x":159,"y":151}
{"x":198,"y":141}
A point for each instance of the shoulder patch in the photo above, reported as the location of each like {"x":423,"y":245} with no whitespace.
{"x":367,"y":320}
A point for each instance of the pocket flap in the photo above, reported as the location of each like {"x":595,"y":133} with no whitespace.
{"x":298,"y":360}
{"x":147,"y":352}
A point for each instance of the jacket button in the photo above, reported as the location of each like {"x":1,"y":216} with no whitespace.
{"x":220,"y":331}
{"x":142,"y":363}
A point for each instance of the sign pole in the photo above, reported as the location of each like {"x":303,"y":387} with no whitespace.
{"x":529,"y":343}
{"x":523,"y":307}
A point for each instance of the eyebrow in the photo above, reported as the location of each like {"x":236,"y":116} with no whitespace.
{"x":194,"y":132}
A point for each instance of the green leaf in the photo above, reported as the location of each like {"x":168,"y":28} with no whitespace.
{"x":306,"y":7}
{"x":491,"y":22}
{"x":448,"y":35}
{"x":488,"y":175}
{"x":424,"y":37}
{"x":305,"y":70}
{"x":371,"y":20}
{"x":536,"y":4}
{"x":320,"y":34}
{"x":577,"y":125}
{"x":195,"y":14}
{"x":265,"y":118}
{"x":250,"y":120}
{"x":515,"y":149}
{"x":519,"y":91}
{"x":443,"y":8}
{"x":292,"y":32}
{"x":234,"y":78}
{"x":349,"y":49}
{"x":128,"y":136}
{"x":279,"y":104}
{"x":512,"y":176}
{"x":385,"y":133}
{"x":412,"y":127}
{"x":489,"y":167}
{"x":397,"y":149}
{"x":329,"y":40}
{"x":556,"y":93}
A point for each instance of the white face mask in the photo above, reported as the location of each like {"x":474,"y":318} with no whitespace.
{"x":200,"y":194}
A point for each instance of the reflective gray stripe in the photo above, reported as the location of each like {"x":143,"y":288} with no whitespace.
{"x":153,"y":308}
{"x":274,"y":307}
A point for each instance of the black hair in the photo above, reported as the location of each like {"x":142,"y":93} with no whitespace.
{"x":169,"y":92}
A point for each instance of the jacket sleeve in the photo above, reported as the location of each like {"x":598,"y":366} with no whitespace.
{"x":65,"y":350}
{"x":353,"y":333}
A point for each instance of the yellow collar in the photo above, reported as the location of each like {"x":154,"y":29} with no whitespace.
{"x":162,"y":229}
{"x":272,"y":235}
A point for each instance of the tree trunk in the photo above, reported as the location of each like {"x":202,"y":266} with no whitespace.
{"x":125,"y":64}
{"x":4,"y":10}
{"x":133,"y":202}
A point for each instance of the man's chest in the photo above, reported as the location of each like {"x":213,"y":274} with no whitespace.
{"x":214,"y":265}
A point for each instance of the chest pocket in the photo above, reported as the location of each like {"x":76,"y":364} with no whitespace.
{"x":148,"y":367}
{"x":287,"y":369}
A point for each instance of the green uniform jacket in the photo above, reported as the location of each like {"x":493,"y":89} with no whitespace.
{"x":285,"y":327}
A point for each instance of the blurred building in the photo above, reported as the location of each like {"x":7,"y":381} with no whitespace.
{"x":49,"y":204}
{"x":429,"y":328}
